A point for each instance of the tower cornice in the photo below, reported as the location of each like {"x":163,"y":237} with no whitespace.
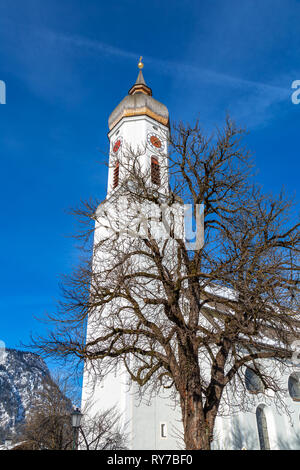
{"x":145,"y":111}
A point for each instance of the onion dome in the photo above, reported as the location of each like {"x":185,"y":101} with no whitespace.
{"x":139,"y":101}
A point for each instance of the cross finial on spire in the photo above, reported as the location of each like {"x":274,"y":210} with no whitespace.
{"x":140,"y":84}
{"x":140,"y":64}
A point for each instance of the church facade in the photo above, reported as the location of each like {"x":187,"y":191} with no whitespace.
{"x":140,"y":124}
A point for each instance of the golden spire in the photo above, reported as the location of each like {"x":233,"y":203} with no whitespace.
{"x":140,"y":64}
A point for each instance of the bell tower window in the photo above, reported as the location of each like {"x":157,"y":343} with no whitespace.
{"x":155,"y":171}
{"x":116,"y":175}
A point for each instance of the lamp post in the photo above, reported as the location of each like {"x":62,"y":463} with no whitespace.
{"x":8,"y":442}
{"x":76,"y":416}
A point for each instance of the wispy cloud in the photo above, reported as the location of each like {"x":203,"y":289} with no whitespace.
{"x":253,"y":104}
{"x":89,"y":44}
{"x":172,"y":68}
{"x":47,"y":60}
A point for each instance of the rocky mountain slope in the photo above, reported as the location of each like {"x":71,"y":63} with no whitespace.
{"x":21,"y":376}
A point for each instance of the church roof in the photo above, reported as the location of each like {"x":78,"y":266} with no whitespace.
{"x":140,"y":80}
{"x":139,"y":101}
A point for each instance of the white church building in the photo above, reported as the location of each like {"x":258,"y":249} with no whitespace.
{"x":153,"y":422}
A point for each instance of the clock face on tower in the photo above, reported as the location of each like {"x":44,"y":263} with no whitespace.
{"x":117,"y":145}
{"x":155,"y":141}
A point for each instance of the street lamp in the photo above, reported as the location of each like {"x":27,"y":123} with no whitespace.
{"x":76,"y":416}
{"x":8,"y":442}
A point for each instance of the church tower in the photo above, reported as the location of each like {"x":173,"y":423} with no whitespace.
{"x":138,"y":125}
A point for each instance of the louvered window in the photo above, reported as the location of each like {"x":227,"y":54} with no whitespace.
{"x":155,"y":171}
{"x":116,"y":175}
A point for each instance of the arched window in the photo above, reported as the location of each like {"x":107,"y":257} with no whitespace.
{"x":262,"y":428}
{"x":294,"y":386}
{"x":253,"y":382}
{"x":155,"y":171}
{"x":116,"y":175}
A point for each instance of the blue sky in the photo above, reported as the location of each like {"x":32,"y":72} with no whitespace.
{"x":67,"y":64}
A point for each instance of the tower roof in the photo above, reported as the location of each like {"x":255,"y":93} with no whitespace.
{"x":140,"y":86}
{"x":140,"y":80}
{"x":139,"y":101}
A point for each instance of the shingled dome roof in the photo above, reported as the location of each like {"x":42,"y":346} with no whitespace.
{"x":139,"y":101}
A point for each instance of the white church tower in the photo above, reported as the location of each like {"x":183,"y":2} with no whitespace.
{"x":138,"y":120}
{"x":139,"y":123}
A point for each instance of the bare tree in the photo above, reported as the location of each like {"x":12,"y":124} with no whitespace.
{"x":187,"y":319}
{"x":48,"y":426}
{"x":103,"y":431}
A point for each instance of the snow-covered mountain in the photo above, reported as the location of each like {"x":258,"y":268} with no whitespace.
{"x":21,"y":376}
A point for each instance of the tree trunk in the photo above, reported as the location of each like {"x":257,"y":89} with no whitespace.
{"x":198,"y":429}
